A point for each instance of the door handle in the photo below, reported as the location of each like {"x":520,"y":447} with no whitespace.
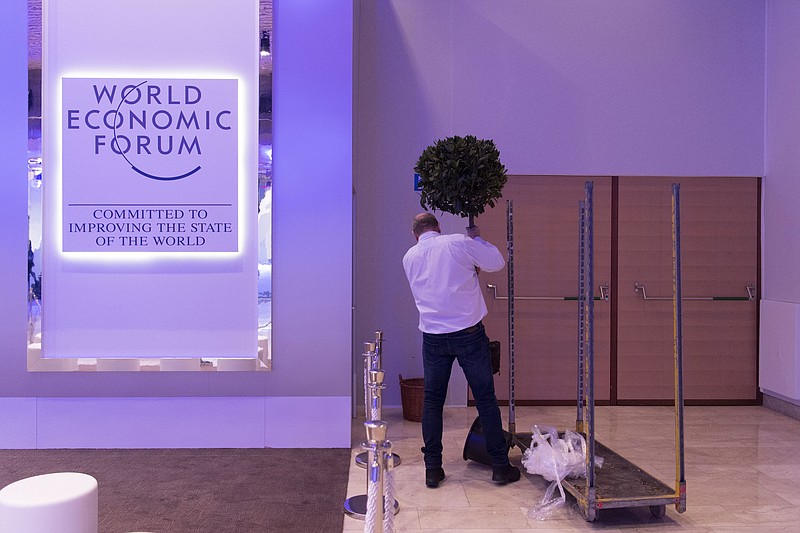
{"x":493,"y":288}
{"x":751,"y":295}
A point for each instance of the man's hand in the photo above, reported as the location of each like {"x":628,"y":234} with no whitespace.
{"x":473,"y":231}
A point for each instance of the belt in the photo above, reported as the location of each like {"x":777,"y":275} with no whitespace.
{"x":471,"y":329}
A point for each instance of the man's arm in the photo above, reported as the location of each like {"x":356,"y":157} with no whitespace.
{"x":485,"y":255}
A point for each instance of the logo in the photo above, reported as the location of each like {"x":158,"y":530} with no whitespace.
{"x":158,"y":127}
{"x":150,"y":164}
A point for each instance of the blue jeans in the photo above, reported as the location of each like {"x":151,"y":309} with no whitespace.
{"x":471,"y":348}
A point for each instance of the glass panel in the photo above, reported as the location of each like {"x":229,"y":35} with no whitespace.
{"x":265,"y":178}
{"x":34,"y":175}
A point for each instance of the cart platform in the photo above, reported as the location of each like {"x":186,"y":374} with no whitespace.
{"x":619,"y":483}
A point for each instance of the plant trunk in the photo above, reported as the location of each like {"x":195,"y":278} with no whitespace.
{"x":471,"y":221}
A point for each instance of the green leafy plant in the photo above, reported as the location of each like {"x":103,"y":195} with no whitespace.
{"x":461,"y":175}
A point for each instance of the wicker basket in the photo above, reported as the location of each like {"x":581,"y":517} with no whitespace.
{"x":412,"y":395}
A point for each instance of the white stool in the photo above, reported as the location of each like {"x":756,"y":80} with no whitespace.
{"x":65,"y":502}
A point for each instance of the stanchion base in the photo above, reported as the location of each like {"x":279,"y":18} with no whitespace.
{"x":363,"y":458}
{"x":356,"y":506}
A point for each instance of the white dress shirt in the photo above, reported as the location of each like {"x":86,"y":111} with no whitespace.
{"x":441,"y":272}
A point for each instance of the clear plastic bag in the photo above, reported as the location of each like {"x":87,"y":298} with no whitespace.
{"x":555,"y":459}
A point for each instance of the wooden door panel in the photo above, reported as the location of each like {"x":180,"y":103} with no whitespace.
{"x":719,"y":241}
{"x":546,"y":264}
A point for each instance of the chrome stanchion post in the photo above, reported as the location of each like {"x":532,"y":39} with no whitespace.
{"x":376,"y":436}
{"x":390,"y":505}
{"x":373,"y":355}
{"x":370,"y":363}
{"x":379,"y":361}
{"x":379,"y":348}
{"x":379,"y":358}
{"x":376,"y":445}
{"x":376,"y":385}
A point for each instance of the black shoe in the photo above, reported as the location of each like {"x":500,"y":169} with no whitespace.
{"x":434,"y":476}
{"x":505,"y":474}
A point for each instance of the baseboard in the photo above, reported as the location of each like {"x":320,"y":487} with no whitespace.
{"x":781,"y":405}
{"x":692,"y":402}
{"x":180,"y":422}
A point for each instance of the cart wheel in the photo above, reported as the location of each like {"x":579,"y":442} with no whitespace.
{"x":658,"y":511}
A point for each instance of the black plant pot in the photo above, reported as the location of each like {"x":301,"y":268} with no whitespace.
{"x":475,"y":445}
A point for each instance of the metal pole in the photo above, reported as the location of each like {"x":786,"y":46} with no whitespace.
{"x":579,"y":426}
{"x":388,"y":500}
{"x":379,"y":348}
{"x":376,"y":385}
{"x":677,"y":312}
{"x":374,"y":409}
{"x":370,"y":365}
{"x":589,"y":333}
{"x":356,"y":506}
{"x":512,"y":415}
{"x":379,"y":364}
{"x":376,"y":434}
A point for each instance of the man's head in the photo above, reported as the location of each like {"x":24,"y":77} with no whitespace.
{"x":424,"y":222}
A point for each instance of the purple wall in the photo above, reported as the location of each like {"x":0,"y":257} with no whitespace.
{"x":779,"y":351}
{"x":618,"y":87}
{"x":621,"y":87}
{"x":13,"y":193}
{"x":781,"y":245}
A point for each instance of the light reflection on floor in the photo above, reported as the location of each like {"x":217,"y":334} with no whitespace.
{"x":742,"y":472}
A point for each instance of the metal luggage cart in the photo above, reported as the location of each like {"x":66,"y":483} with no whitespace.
{"x":619,"y":483}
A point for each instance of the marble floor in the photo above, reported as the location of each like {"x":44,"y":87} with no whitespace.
{"x":742,"y":473}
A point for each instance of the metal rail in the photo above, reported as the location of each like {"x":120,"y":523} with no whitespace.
{"x":579,"y":427}
{"x":751,"y":295}
{"x":588,"y":339}
{"x":620,"y":483}
{"x":603,"y":295}
{"x":680,"y":477}
{"x":512,"y":413}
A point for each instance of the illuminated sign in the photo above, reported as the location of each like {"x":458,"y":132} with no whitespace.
{"x":149,"y":165}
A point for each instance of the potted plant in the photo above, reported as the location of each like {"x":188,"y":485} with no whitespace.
{"x":461,"y":175}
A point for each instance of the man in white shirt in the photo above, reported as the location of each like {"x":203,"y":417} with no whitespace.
{"x":442,"y":271}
